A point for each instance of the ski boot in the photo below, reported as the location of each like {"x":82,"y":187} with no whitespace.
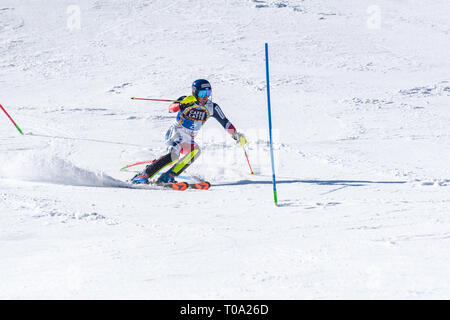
{"x":140,"y":178}
{"x":167,"y":177}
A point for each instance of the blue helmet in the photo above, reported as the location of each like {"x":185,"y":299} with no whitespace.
{"x":201,"y":88}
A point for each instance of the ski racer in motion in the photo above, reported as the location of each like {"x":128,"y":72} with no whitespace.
{"x":193,"y":111}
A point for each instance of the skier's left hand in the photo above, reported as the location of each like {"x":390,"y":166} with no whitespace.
{"x":240,"y":138}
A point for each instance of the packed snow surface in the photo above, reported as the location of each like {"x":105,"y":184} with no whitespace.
{"x":361,"y":111}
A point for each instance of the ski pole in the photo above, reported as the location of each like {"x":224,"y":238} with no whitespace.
{"x":17,"y":127}
{"x":147,"y":99}
{"x":245,"y":152}
{"x":135,"y":164}
{"x":124,"y":168}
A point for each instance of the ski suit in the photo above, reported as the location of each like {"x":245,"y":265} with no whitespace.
{"x":180,"y":136}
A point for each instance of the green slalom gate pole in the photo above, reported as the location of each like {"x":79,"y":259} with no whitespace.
{"x":275,"y":198}
{"x":17,"y":127}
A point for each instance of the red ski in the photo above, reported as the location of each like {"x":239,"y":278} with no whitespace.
{"x":203,"y":185}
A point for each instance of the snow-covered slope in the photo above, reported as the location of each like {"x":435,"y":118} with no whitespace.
{"x":360,"y":103}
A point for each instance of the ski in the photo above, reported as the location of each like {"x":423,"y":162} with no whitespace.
{"x":202,"y":185}
{"x":153,"y":185}
{"x":179,"y":186}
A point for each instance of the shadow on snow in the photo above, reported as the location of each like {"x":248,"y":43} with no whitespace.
{"x":352,"y":183}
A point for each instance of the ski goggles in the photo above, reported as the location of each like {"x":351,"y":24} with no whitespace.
{"x":204,"y":93}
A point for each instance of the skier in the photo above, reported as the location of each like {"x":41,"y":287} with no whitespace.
{"x":193,"y":112}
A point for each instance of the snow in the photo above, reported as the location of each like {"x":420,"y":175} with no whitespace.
{"x":360,"y":104}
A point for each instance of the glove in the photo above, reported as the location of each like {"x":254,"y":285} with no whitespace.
{"x":174,"y":107}
{"x":240,"y":138}
{"x":187,"y":102}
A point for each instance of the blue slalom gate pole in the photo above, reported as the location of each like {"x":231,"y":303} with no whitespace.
{"x":270,"y":127}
